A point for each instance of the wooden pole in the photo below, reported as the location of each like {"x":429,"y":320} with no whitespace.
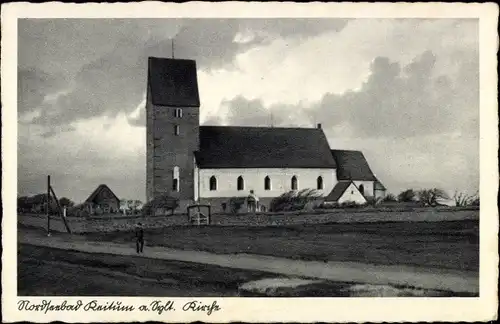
{"x":47,"y":207}
{"x":60,"y":210}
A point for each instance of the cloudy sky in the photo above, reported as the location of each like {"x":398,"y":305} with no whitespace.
{"x":404,"y":91}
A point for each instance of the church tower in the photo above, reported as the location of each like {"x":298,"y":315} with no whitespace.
{"x":172,"y":126}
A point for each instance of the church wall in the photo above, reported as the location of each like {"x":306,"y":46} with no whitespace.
{"x":368,"y":187}
{"x":352,"y":194}
{"x":254,"y":180}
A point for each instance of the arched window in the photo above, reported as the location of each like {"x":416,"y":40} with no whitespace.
{"x":213,"y":183}
{"x":294,"y":183}
{"x":362,"y":189}
{"x":241,"y":183}
{"x":175,"y":177}
{"x":267,"y":183}
{"x":319,"y":183}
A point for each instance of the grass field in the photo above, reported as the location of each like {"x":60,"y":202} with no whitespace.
{"x":448,"y":245}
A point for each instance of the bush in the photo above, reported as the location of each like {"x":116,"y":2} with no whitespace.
{"x":389,"y":198}
{"x":292,"y":200}
{"x":235,"y":204}
{"x":350,"y":204}
{"x":407,"y":196}
{"x":327,"y":205}
{"x":345,"y":204}
{"x":161,"y":202}
{"x":66,"y":202}
{"x":77,"y":211}
{"x":430,"y":197}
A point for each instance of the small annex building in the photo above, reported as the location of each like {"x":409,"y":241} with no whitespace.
{"x":345,"y":191}
{"x":102,"y":200}
{"x":213,"y":164}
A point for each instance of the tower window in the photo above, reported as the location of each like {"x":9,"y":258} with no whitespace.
{"x":213,"y":183}
{"x":176,"y":130}
{"x":241,"y":183}
{"x":175,"y":176}
{"x":178,"y":112}
{"x":362,"y":189}
{"x":294,"y":183}
{"x":319,"y":184}
{"x":267,"y":183}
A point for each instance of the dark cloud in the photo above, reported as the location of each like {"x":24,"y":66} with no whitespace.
{"x":393,"y":102}
{"x":32,"y":87}
{"x":211,"y":42}
{"x":104,"y":62}
{"x":96,"y":94}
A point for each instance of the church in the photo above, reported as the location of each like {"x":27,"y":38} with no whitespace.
{"x":212,"y":164}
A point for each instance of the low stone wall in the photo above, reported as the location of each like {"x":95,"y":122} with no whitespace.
{"x":100,"y":224}
{"x":216,"y":203}
{"x":106,"y":223}
{"x":426,"y":215}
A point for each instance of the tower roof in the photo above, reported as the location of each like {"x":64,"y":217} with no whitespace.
{"x":173,"y":82}
{"x":263,"y":147}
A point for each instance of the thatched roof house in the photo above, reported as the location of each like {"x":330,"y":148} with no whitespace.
{"x":102,"y":199}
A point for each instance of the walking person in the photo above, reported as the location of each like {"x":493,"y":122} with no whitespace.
{"x":139,"y":238}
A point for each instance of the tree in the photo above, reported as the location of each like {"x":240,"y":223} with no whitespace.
{"x":407,"y":196}
{"x":66,"y":202}
{"x":462,"y":199}
{"x":38,"y":199}
{"x":23,"y":204}
{"x":389,"y":198}
{"x":475,"y":202}
{"x":137,"y":206}
{"x":38,"y":203}
{"x":430,"y":197}
{"x":34,"y":203}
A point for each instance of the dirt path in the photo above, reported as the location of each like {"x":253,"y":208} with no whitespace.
{"x":449,"y":280}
